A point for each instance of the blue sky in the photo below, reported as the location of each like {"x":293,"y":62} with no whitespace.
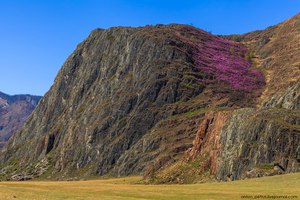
{"x":36,"y":36}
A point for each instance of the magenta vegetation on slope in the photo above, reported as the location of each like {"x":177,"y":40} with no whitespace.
{"x":223,"y":61}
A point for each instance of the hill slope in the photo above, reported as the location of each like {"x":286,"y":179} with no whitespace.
{"x":258,"y":140}
{"x":132,"y":100}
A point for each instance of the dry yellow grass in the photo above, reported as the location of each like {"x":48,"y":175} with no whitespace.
{"x":115,"y":189}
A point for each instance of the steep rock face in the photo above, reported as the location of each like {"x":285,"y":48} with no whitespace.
{"x":256,"y":140}
{"x":289,"y":100}
{"x":14,"y":110}
{"x":115,"y":96}
{"x":207,"y":141}
{"x":242,"y":143}
{"x":165,"y":143}
{"x":130,"y":100}
{"x":265,"y":141}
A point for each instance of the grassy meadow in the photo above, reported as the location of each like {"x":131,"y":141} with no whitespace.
{"x":130,"y":188}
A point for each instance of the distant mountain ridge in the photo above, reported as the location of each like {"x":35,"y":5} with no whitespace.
{"x":14,"y":110}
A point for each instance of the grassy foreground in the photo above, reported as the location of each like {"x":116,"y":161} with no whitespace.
{"x":114,"y":189}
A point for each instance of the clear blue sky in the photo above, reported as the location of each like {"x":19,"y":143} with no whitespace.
{"x":36,"y":36}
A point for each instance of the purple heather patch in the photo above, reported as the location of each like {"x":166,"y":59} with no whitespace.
{"x":223,"y":61}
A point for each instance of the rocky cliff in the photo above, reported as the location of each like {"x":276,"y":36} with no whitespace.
{"x":266,"y":140}
{"x":258,"y":140}
{"x":172,"y":102}
{"x":14,"y":110}
{"x":128,"y":96}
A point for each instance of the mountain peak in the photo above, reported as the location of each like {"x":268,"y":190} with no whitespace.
{"x":130,"y":100}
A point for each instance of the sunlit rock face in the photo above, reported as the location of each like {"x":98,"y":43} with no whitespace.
{"x":253,"y":141}
{"x":147,"y":100}
{"x":111,"y":107}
